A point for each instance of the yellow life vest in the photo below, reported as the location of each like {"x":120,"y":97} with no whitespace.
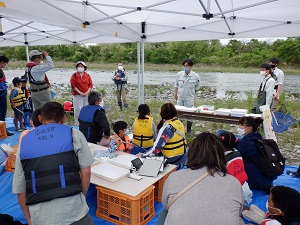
{"x":20,"y":98}
{"x":176,"y":145}
{"x":143,"y":133}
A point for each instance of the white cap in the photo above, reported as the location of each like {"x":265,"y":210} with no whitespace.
{"x":34,"y":53}
{"x":82,"y":63}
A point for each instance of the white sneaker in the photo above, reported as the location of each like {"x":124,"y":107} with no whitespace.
{"x":252,"y":217}
{"x":254,"y":209}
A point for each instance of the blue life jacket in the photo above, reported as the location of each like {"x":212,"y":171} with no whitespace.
{"x":122,"y":75}
{"x":87,"y":124}
{"x":50,"y":165}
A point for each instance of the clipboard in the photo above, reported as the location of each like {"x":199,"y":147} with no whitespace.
{"x":150,"y":167}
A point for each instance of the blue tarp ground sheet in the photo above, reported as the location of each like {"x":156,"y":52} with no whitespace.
{"x":9,"y":203}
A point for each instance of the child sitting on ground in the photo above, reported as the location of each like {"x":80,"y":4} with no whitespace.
{"x":17,"y":99}
{"x":235,"y":163}
{"x":283,"y":207}
{"x":120,"y":141}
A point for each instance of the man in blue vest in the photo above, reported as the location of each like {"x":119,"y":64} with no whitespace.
{"x":120,"y":80}
{"x":93,"y":122}
{"x":52,"y":174}
{"x":3,"y":90}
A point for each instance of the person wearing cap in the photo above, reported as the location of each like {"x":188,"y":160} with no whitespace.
{"x":17,"y":98}
{"x":81,"y":84}
{"x":3,"y":91}
{"x":120,"y":80}
{"x":278,"y":81}
{"x":187,"y":82}
{"x":39,"y":84}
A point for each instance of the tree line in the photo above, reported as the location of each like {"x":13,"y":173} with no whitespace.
{"x":235,"y":54}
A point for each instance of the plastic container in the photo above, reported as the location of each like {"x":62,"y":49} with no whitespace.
{"x":11,"y":160}
{"x":123,"y":209}
{"x":222,"y":112}
{"x":159,"y":187}
{"x":206,"y":107}
{"x":238,"y":112}
{"x":3,"y":133}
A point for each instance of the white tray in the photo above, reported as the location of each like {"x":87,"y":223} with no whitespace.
{"x":109,"y":171}
{"x":222,"y":111}
{"x":123,"y":160}
{"x":206,"y":111}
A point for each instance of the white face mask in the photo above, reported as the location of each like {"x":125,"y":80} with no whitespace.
{"x":80,"y":69}
{"x":41,"y":62}
{"x":240,"y":131}
{"x":120,"y":67}
{"x":262,"y":72}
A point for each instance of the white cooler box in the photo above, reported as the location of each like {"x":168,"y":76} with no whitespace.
{"x":222,"y":112}
{"x":208,"y":109}
{"x":238,"y":112}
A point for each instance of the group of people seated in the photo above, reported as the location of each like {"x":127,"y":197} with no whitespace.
{"x":218,"y":154}
{"x":223,"y":196}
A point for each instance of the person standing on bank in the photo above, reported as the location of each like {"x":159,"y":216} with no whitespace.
{"x":39,"y":84}
{"x":266,"y":89}
{"x":278,"y":82}
{"x":81,"y":84}
{"x":120,"y":80}
{"x":93,"y":122}
{"x":3,"y":91}
{"x":187,"y":82}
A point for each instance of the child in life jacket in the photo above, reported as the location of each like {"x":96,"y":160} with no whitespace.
{"x":120,"y":141}
{"x":143,"y":128}
{"x":283,"y":206}
{"x":235,"y":163}
{"x":17,"y":98}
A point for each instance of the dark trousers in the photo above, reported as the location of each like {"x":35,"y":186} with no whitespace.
{"x":3,"y":106}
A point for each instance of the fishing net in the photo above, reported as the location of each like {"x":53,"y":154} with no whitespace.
{"x":281,"y":121}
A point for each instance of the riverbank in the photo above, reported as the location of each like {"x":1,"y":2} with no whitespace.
{"x":159,"y":67}
{"x":157,"y":95}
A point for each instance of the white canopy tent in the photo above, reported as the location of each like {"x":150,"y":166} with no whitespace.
{"x":151,"y":21}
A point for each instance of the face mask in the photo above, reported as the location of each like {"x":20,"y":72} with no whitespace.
{"x":241,"y":131}
{"x":262,"y":72}
{"x":80,"y":69}
{"x":120,"y":67}
{"x":41,"y":62}
{"x":187,"y":70}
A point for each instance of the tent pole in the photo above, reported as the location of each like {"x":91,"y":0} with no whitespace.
{"x":26,"y":46}
{"x":143,"y":71}
{"x":138,"y":70}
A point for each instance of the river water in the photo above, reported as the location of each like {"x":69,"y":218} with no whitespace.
{"x":223,"y":83}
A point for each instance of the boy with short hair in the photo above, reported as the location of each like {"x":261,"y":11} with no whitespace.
{"x":17,"y":98}
{"x":120,"y":141}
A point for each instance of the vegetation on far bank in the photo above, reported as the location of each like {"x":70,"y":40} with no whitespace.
{"x":209,"y":56}
{"x":157,"y":67}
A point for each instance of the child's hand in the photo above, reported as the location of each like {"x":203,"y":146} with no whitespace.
{"x":131,"y":146}
{"x":139,"y":155}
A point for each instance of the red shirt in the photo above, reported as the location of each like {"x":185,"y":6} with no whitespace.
{"x":82,"y":83}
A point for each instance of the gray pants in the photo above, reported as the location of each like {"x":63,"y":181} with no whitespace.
{"x":86,"y":220}
{"x":40,"y":98}
{"x":187,"y":103}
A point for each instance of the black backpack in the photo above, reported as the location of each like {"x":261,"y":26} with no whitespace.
{"x":270,"y":160}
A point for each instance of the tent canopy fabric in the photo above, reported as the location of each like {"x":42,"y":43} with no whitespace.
{"x":107,"y":21}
